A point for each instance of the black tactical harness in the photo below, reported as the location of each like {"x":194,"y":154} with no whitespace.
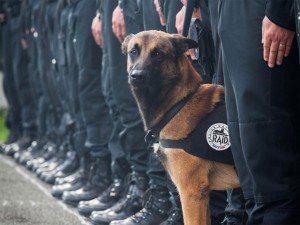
{"x":209,"y":140}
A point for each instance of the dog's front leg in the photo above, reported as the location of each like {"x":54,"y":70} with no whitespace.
{"x":195,"y":205}
{"x":190,"y":176}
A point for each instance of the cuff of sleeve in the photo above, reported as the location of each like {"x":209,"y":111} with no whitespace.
{"x":281,"y":12}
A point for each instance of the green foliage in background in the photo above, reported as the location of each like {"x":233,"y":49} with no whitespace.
{"x":3,"y":129}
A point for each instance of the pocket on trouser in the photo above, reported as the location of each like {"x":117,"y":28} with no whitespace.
{"x":282,"y":217}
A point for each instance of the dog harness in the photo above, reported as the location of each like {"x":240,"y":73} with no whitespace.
{"x":209,"y":140}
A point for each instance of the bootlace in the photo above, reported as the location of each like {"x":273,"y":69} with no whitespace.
{"x":122,"y":204}
{"x":132,"y":198}
{"x":141,"y":215}
{"x":175,"y":217}
{"x":150,"y":199}
{"x":112,"y":191}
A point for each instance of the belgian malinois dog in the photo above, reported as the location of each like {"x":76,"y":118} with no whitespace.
{"x":172,"y":102}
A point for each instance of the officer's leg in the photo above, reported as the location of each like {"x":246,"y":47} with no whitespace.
{"x":132,"y":134}
{"x":26,"y":97}
{"x":119,"y":166}
{"x":157,"y":204}
{"x":14,"y":112}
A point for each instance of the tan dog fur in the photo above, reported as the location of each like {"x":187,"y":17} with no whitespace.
{"x":193,"y":176}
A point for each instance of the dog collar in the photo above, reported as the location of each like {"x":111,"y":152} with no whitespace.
{"x":152,"y":133}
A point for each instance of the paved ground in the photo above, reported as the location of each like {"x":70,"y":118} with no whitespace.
{"x":24,"y":200}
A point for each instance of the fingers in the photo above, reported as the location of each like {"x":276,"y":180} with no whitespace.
{"x":96,"y":30}
{"x":122,"y":34}
{"x":118,"y":24}
{"x":280,"y":53}
{"x":277,"y":42}
{"x":119,"y":32}
{"x":273,"y":53}
{"x":100,"y":41}
{"x":288,"y":46}
{"x":98,"y":38}
{"x":267,"y":47}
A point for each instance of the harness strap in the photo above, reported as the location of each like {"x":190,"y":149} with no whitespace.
{"x":154,"y":131}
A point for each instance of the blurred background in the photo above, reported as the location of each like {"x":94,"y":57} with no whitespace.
{"x":3,"y":108}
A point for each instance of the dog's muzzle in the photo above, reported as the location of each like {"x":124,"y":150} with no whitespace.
{"x":139,"y":77}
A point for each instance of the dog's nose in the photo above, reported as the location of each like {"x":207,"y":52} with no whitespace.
{"x":139,"y":76}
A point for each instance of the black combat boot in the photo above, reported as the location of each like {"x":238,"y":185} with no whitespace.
{"x":99,"y":179}
{"x":49,"y":151}
{"x":21,"y":145}
{"x":175,"y":214}
{"x":71,"y":178}
{"x":107,"y":199}
{"x":128,"y":205}
{"x":47,"y":175}
{"x":69,"y":165}
{"x":73,"y":182}
{"x":155,"y":209}
{"x":32,"y":152}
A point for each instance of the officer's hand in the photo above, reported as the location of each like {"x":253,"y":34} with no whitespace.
{"x":2,"y":17}
{"x":118,"y":24}
{"x":179,"y":24}
{"x":97,"y":30}
{"x":180,"y":18}
{"x":24,"y":43}
{"x":277,"y":42}
{"x":184,"y":2}
{"x":160,"y":13}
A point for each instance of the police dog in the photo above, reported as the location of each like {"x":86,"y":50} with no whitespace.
{"x":161,"y":77}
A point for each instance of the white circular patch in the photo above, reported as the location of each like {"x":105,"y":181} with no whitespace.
{"x":217,"y":136}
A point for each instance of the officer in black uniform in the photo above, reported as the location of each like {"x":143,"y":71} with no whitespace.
{"x":129,"y":124}
{"x":67,"y":157}
{"x":120,"y":166}
{"x":45,"y":105}
{"x":92,"y":121}
{"x":15,"y":126}
{"x":19,"y":90}
{"x":28,"y":38}
{"x":68,"y":68}
{"x":50,"y":88}
{"x":262,"y":101}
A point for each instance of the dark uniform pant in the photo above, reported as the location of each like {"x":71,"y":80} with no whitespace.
{"x":129,"y":127}
{"x":139,"y":16}
{"x":92,"y":103}
{"x":263,"y":116}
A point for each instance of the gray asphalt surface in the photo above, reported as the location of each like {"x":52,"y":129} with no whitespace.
{"x":25,"y":200}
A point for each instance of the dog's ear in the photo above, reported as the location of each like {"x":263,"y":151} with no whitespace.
{"x":182,"y":44}
{"x":125,"y":43}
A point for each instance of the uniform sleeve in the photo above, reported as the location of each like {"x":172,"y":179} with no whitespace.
{"x":281,"y":12}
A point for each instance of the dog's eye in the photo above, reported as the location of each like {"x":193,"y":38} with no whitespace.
{"x":156,"y":54}
{"x":133,"y":52}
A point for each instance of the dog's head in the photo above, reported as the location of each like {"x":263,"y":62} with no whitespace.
{"x":152,"y":57}
{"x":155,"y":61}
